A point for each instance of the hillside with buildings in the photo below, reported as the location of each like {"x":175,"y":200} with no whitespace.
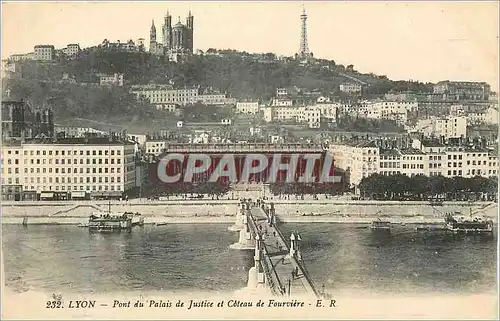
{"x":240,"y":74}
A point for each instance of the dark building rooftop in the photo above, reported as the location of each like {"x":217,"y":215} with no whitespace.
{"x":72,"y":141}
{"x":389,"y":152}
{"x":412,"y":151}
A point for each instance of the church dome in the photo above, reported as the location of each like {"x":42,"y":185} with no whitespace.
{"x":178,"y":25}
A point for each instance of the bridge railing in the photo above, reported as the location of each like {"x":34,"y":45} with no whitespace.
{"x":300,"y":265}
{"x":272,"y":278}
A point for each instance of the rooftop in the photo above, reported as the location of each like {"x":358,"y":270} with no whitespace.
{"x":412,"y":151}
{"x":70,"y":141}
{"x":389,"y":152}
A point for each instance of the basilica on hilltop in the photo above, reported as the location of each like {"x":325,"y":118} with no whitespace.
{"x":177,"y":39}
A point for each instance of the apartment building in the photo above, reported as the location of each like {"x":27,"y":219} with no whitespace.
{"x":462,"y":90}
{"x":248,"y":107}
{"x":43,"y":168}
{"x":390,"y":110}
{"x":359,"y":160}
{"x":166,"y":94}
{"x":44,"y":52}
{"x":310,"y":115}
{"x":390,"y":162}
{"x":282,"y":102}
{"x":350,"y":88}
{"x":449,"y":127}
{"x":486,"y":116}
{"x":215,"y":98}
{"x":364,"y":159}
{"x":71,"y":51}
{"x":470,"y":162}
{"x":20,"y":57}
{"x":155,"y":147}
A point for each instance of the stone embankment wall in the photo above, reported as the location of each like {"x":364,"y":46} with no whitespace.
{"x":223,"y":210}
{"x":85,"y":209}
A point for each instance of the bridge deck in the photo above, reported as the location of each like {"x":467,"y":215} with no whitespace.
{"x":277,"y":260}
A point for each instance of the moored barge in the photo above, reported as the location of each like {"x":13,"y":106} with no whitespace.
{"x":459,"y":224}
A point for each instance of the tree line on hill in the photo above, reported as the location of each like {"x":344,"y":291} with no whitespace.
{"x":74,"y":100}
{"x":421,"y":187}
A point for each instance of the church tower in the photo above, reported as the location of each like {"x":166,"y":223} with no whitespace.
{"x":167,"y":32}
{"x":152,"y":38}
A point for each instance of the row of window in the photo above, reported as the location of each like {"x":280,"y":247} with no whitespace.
{"x":450,"y":173}
{"x":469,"y":162}
{"x":413,"y":166}
{"x":468,"y":155}
{"x":63,"y":180}
{"x":68,"y":161}
{"x":62,"y":153}
{"x":75,"y":188}
{"x":49,"y":170}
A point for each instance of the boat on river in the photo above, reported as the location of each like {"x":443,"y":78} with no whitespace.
{"x":114,"y":222}
{"x":460,"y":224}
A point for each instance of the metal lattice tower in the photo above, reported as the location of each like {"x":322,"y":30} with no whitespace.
{"x":304,"y":48}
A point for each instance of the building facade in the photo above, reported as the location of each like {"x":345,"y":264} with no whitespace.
{"x":167,"y":94}
{"x":350,"y":88}
{"x":360,"y":160}
{"x":462,"y":90}
{"x":126,"y":46}
{"x":41,"y":167}
{"x":72,"y":50}
{"x":44,"y":52}
{"x":390,"y":110}
{"x":248,"y":107}
{"x":313,"y":115}
{"x":449,"y":127}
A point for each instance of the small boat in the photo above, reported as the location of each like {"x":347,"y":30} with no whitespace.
{"x":160,"y":224}
{"x":380,"y":225}
{"x":83,"y":225}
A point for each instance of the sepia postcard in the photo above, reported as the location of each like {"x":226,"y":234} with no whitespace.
{"x":249,"y":160}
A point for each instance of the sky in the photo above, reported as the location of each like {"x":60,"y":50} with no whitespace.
{"x":424,"y":41}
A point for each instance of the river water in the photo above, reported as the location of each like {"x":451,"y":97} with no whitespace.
{"x":185,"y":257}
